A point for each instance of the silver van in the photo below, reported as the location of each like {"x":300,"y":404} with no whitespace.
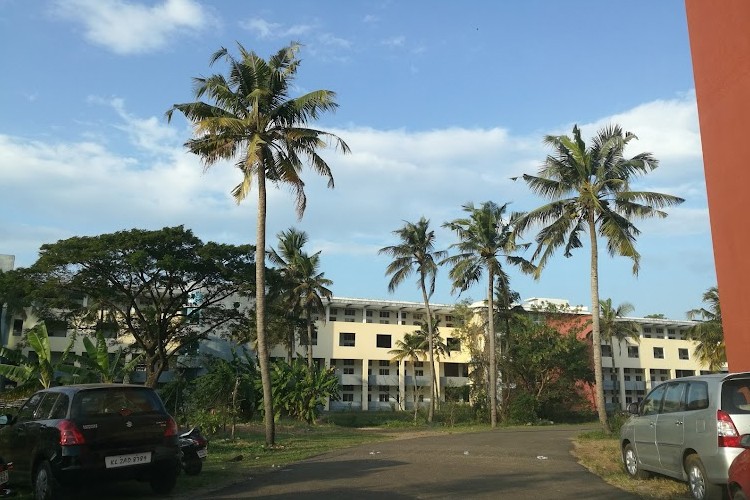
{"x":689,"y":428}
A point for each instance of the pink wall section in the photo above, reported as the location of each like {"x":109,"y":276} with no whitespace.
{"x":720,"y":47}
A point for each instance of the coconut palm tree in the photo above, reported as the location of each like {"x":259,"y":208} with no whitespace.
{"x":485,"y":238}
{"x":411,"y":348}
{"x":709,"y":333}
{"x":253,"y":120}
{"x":307,"y":286}
{"x":415,"y":254}
{"x":614,"y":330}
{"x":590,"y":193}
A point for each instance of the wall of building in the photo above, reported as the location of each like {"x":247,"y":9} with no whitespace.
{"x":720,"y":47}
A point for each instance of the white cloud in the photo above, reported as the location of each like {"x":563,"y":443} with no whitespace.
{"x":132,"y":28}
{"x":264,"y":29}
{"x":396,"y":41}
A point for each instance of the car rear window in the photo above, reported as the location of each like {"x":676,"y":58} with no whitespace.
{"x":735,"y":396}
{"x":116,"y":401}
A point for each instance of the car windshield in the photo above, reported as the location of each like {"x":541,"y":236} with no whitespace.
{"x":115,"y":401}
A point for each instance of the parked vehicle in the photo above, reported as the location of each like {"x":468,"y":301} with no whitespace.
{"x":689,"y":429}
{"x":739,"y":472}
{"x":5,"y":468}
{"x":67,"y":437}
{"x":194,"y":449}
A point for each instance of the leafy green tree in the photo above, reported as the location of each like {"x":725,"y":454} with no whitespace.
{"x":545,"y":362}
{"x":100,"y":365}
{"x":614,"y":329}
{"x":38,"y":372}
{"x":302,"y":391}
{"x":410,"y":348}
{"x":308,"y":286}
{"x":165,"y":288}
{"x":485,"y":238}
{"x":589,"y":192}
{"x":252,"y":120}
{"x":471,"y":335}
{"x":709,"y":332}
{"x":415,"y":254}
{"x":656,"y":316}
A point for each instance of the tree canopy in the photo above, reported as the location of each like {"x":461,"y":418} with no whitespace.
{"x":165,"y":288}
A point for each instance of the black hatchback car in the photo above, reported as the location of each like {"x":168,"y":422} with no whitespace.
{"x":69,"y":436}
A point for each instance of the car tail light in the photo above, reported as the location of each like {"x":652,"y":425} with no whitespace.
{"x":728,"y":435}
{"x":171,"y":429}
{"x":69,"y":433}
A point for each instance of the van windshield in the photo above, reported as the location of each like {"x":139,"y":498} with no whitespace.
{"x":735,"y":396}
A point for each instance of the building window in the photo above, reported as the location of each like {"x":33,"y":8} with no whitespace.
{"x":647,"y":332}
{"x":383,"y":341}
{"x":448,"y":317}
{"x":384,"y":362}
{"x":383,"y":398}
{"x":606,"y":351}
{"x":658,"y":352}
{"x":346,"y":339}
{"x":384,"y":371}
{"x":684,"y":373}
{"x":57,"y":328}
{"x":417,"y":316}
{"x":347,"y":397}
{"x":368,"y":314}
{"x":17,"y":327}
{"x":331,"y":318}
{"x":385,"y":314}
{"x":348,"y":370}
{"x":348,"y":312}
{"x":333,"y":311}
{"x":453,"y":344}
{"x":633,"y":351}
{"x":385,"y":322}
{"x":671,"y":333}
{"x":683,"y":353}
{"x":418,"y":372}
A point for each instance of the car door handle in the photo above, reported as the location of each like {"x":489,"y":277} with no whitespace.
{"x":651,"y":424}
{"x":679,"y":422}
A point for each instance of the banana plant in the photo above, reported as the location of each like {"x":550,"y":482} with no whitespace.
{"x":97,"y":364}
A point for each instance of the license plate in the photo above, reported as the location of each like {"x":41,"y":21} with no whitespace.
{"x":202,"y":453}
{"x":3,"y":477}
{"x":127,"y":460}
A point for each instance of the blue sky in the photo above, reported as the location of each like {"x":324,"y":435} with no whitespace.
{"x":441,"y":103}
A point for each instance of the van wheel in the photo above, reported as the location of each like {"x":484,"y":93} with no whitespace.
{"x":46,"y":487}
{"x":700,"y":488}
{"x":632,"y":467}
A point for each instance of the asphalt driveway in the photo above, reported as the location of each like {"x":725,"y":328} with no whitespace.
{"x":529,"y":463}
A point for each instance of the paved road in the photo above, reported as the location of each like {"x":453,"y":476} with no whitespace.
{"x":505,"y":463}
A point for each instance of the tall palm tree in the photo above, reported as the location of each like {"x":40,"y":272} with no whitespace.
{"x":614,"y":330}
{"x":438,"y":346}
{"x":709,"y":333}
{"x":411,"y":348}
{"x":415,"y":253}
{"x":589,"y":192}
{"x":252,"y":119}
{"x":307,"y":286}
{"x":485,"y":238}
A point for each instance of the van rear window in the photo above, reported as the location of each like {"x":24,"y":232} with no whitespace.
{"x":735,"y":396}
{"x":123,"y":401}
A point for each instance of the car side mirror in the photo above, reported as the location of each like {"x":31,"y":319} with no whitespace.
{"x":6,"y":419}
{"x":745,"y":441}
{"x":633,"y":408}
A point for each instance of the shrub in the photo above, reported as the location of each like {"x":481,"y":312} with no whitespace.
{"x":523,"y":408}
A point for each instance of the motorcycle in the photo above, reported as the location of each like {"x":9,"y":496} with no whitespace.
{"x":194,"y":449}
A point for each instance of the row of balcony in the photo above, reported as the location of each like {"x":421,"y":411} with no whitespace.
{"x":392,"y":380}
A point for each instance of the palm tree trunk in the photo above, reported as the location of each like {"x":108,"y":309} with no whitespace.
{"x":491,"y":341}
{"x":308,"y":317}
{"x":260,"y":310}
{"x":433,"y":388}
{"x":414,"y":395}
{"x":595,"y":329}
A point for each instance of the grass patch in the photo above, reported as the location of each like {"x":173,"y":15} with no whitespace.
{"x":600,"y":453}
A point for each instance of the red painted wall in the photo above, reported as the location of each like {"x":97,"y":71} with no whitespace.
{"x":720,"y":47}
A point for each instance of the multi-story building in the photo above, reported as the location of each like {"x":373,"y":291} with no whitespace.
{"x":357,"y":337}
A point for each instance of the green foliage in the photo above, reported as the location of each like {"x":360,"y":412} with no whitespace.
{"x":42,"y":372}
{"x":709,"y":332}
{"x":224,"y":394}
{"x":617,"y":420}
{"x":300,"y":391}
{"x":100,"y":366}
{"x":523,"y":408}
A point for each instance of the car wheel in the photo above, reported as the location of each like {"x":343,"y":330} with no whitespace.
{"x":164,"y":479}
{"x":46,"y":487}
{"x":193,"y":466}
{"x":700,"y":488}
{"x":630,"y":460}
